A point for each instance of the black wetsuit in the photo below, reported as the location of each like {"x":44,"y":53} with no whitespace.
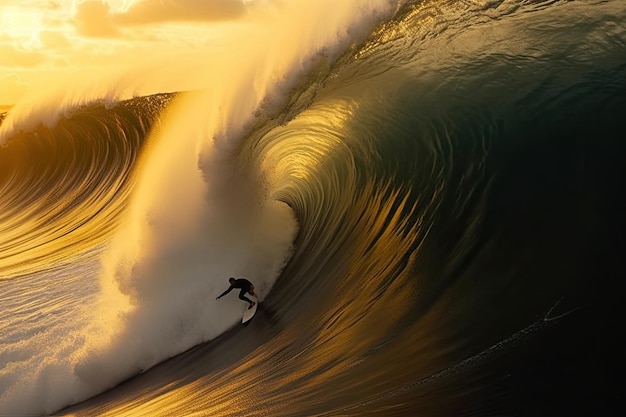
{"x":245,"y":286}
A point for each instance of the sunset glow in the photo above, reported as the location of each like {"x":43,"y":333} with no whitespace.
{"x":21,"y":25}
{"x":42,"y":40}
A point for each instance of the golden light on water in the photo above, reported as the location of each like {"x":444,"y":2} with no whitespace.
{"x":330,"y":348}
{"x":303,"y":150}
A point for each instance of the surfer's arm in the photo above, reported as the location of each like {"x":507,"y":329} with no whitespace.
{"x":225,"y":292}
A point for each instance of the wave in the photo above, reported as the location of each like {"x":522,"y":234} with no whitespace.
{"x":428,"y":213}
{"x":78,"y":179}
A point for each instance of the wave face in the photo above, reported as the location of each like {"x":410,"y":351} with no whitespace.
{"x":431,"y":212}
{"x":69,"y":182}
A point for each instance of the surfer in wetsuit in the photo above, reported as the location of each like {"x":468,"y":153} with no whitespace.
{"x":245,"y":285}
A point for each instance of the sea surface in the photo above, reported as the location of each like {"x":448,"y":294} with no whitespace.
{"x":427,"y":195}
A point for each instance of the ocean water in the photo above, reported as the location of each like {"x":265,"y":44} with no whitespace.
{"x":427,"y":195}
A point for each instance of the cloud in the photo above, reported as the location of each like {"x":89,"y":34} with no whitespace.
{"x":53,"y":5}
{"x":93,"y":18}
{"x":12,"y":57}
{"x":150,"y":11}
{"x":53,"y":39}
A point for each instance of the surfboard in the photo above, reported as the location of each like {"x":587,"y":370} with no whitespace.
{"x":248,"y":313}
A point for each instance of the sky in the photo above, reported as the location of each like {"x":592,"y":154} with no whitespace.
{"x":45,"y":40}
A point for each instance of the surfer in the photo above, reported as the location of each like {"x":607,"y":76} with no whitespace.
{"x":246,"y":287}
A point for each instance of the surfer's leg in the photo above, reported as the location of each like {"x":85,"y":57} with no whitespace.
{"x":243,"y":297}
